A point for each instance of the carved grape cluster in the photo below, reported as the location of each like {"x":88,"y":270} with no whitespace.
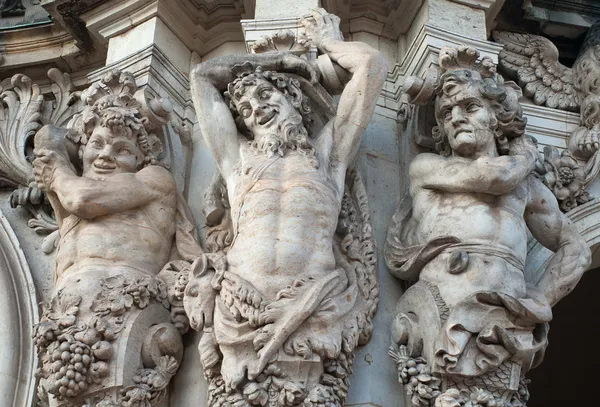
{"x":414,"y":373}
{"x":70,"y":362}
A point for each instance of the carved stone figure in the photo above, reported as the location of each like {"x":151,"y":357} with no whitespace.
{"x":470,"y":327}
{"x":533,"y":61}
{"x":111,"y":335}
{"x":294,"y":289}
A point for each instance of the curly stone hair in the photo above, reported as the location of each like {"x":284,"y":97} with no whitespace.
{"x":246,"y":77}
{"x":502,"y":99}
{"x":122,"y":120}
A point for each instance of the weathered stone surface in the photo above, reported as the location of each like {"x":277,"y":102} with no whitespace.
{"x":469,"y":327}
{"x":111,"y":333}
{"x":290,"y":290}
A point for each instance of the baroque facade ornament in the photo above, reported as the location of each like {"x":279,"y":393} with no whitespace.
{"x":469,"y":327}
{"x":111,"y":335}
{"x":290,"y":287}
{"x":533,"y":61}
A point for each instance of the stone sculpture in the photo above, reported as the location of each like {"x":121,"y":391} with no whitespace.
{"x":111,"y":335}
{"x":533,"y":61}
{"x":290,"y":289}
{"x":470,"y":327}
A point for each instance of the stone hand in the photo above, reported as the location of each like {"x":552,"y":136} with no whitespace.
{"x":287,"y":62}
{"x":590,"y":143}
{"x":44,"y":165}
{"x":320,"y":26}
{"x":526,"y":147}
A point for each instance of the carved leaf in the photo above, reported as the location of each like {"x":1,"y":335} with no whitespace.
{"x":533,"y":61}
{"x":64,"y":95}
{"x":20,"y":117}
{"x":283,"y":40}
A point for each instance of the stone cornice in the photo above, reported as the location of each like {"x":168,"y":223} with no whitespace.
{"x":199,"y":28}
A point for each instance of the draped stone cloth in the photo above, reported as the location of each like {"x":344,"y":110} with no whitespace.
{"x":487,"y":328}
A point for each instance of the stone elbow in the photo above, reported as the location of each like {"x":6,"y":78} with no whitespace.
{"x":78,"y":206}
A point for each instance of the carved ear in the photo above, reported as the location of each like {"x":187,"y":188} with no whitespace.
{"x":294,"y":95}
{"x":199,"y":267}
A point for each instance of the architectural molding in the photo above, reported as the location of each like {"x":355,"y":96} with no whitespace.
{"x":200,"y":26}
{"x":19,"y":302}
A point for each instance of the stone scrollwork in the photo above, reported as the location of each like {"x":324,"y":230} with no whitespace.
{"x":469,"y":328}
{"x":284,"y":40}
{"x":111,"y":335}
{"x":533,"y":61}
{"x":290,"y":289}
{"x":24,"y":112}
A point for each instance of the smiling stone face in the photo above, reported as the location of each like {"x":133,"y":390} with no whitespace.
{"x":106,"y":154}
{"x":265,"y":109}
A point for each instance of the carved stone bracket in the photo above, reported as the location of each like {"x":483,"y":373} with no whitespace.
{"x":286,"y":338}
{"x":111,"y":335}
{"x":457,"y":338}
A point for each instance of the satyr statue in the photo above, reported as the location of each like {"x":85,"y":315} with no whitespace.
{"x":107,"y":336}
{"x":295,"y":293}
{"x":470,"y":327}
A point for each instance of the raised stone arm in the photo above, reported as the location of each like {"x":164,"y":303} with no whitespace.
{"x":89,"y":198}
{"x":554,"y":230}
{"x":208,"y":82}
{"x":368,"y":69}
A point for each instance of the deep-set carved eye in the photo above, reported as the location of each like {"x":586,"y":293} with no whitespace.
{"x":245,"y":112}
{"x":192,"y":290}
{"x":96,"y":143}
{"x":473,"y":107}
{"x":265,"y":93}
{"x":124,"y":151}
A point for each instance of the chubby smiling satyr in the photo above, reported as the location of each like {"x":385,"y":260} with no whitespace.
{"x":108,"y":152}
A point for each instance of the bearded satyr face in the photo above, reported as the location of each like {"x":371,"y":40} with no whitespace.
{"x":265,"y":110}
{"x":107,"y":154}
{"x":467,"y":119}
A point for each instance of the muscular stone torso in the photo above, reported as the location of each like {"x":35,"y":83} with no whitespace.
{"x":138,"y":238}
{"x":285,"y":213}
{"x":475,"y":218}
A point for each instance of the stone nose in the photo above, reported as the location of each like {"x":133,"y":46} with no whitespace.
{"x":458,"y":116}
{"x":106,"y":153}
{"x":257,"y":106}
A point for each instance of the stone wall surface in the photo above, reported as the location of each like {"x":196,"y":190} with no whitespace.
{"x":149,"y":66}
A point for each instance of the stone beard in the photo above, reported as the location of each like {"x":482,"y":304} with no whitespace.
{"x":295,"y":289}
{"x":470,"y":323}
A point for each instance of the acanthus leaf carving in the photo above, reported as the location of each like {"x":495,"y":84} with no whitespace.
{"x":21,"y":113}
{"x":283,"y":40}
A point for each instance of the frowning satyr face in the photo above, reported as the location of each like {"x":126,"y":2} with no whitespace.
{"x":265,"y":109}
{"x":106,"y":154}
{"x":468,"y":121}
